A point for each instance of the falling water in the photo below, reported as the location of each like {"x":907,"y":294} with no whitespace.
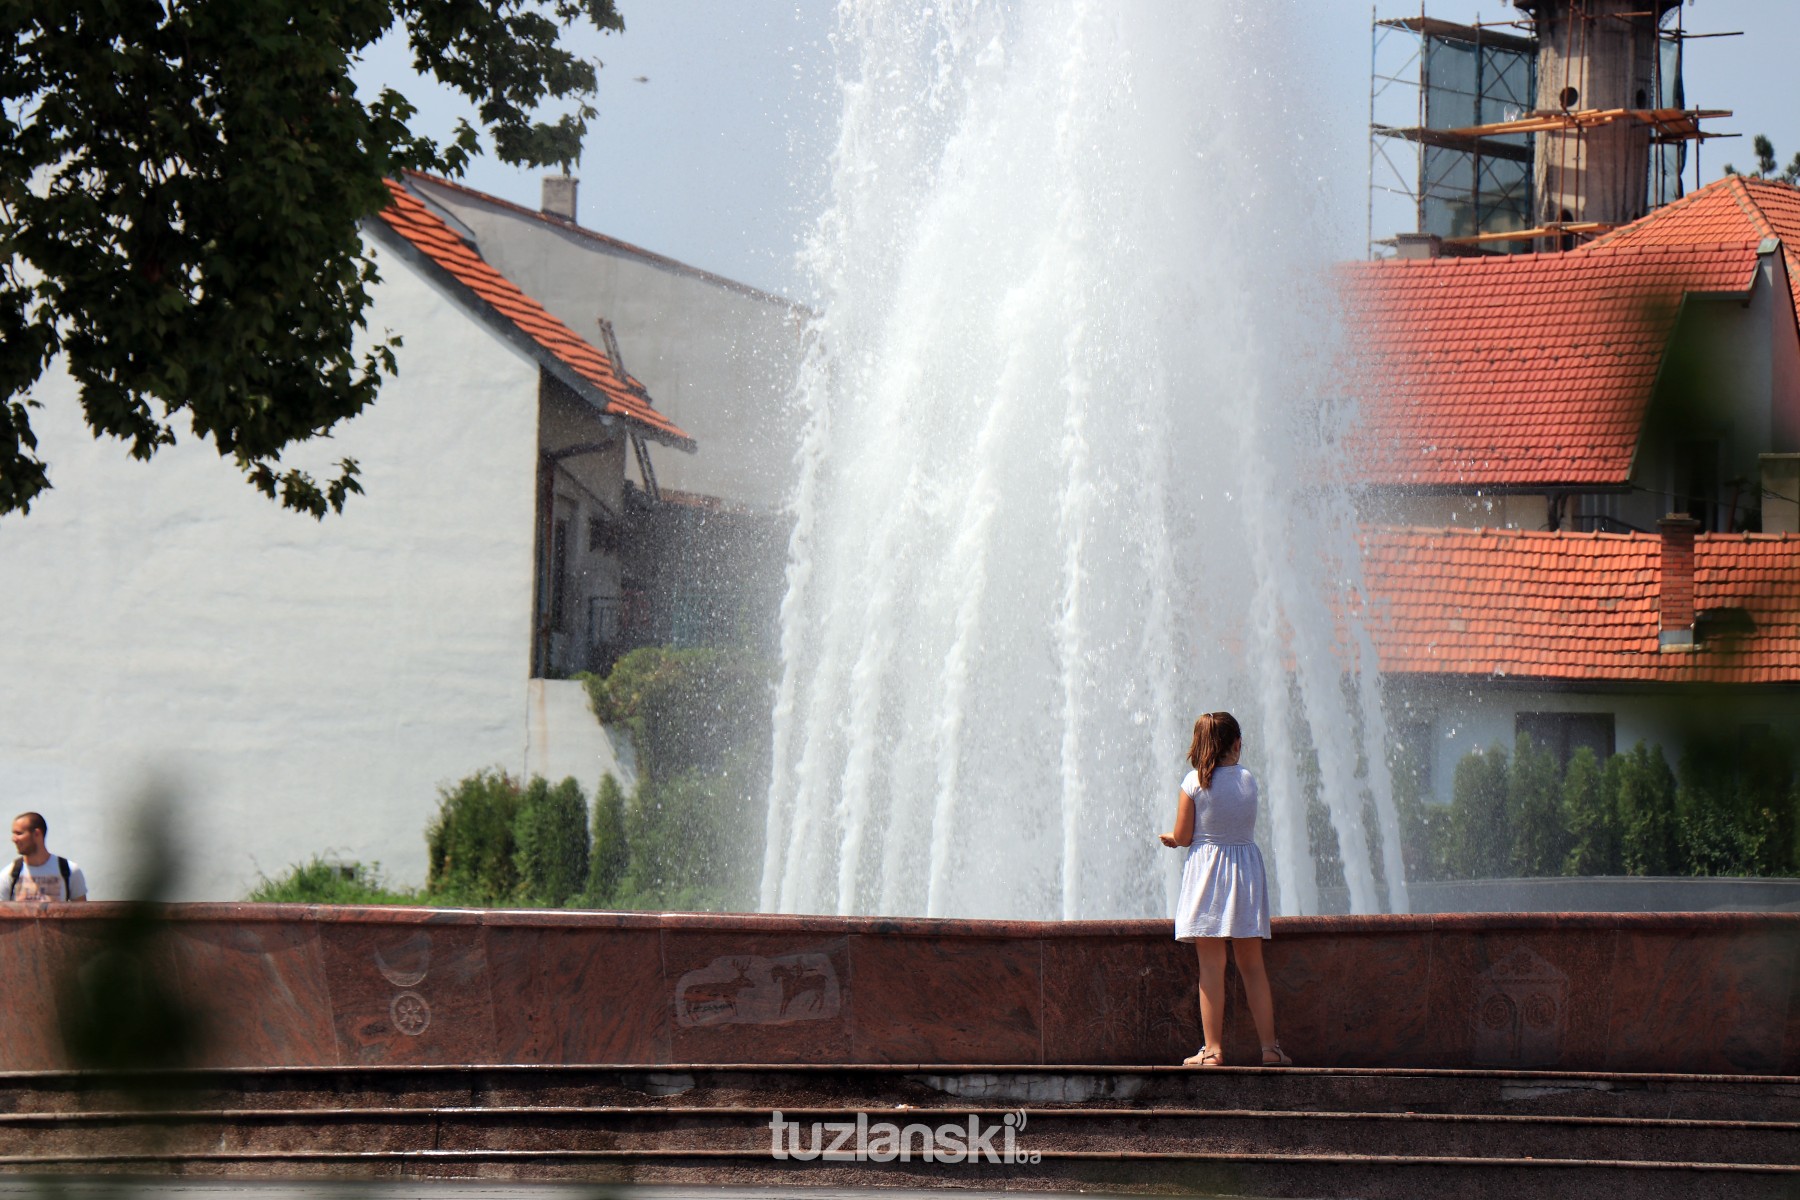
{"x":1068,"y":473}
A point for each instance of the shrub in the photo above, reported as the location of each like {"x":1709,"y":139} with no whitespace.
{"x":551,"y":833}
{"x":687,"y":836}
{"x":1640,"y":788}
{"x":470,"y":849}
{"x":1534,"y":811}
{"x":1592,"y":824}
{"x":1480,"y":847}
{"x":611,"y":854}
{"x":685,"y":709}
{"x":319,"y":882}
{"x":1424,"y":826}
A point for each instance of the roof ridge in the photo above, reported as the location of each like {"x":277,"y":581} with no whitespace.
{"x":1740,"y":192}
{"x":574,"y":227}
{"x":1667,"y":212}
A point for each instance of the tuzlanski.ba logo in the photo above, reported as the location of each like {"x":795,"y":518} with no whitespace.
{"x":884,"y":1141}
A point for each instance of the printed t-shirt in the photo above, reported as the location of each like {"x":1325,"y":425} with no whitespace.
{"x":42,"y":883}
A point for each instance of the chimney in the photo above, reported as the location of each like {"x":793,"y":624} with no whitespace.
{"x":1676,"y":582}
{"x":1780,"y":493}
{"x":1418,"y":245}
{"x":559,"y":197}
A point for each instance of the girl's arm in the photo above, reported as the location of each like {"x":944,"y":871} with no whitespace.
{"x":1184,"y":822}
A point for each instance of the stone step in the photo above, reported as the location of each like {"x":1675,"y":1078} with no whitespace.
{"x":1694,"y":1097}
{"x":1368,"y":1176}
{"x":42,"y":1136}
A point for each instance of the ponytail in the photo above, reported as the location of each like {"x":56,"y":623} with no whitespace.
{"x":1214,"y":735}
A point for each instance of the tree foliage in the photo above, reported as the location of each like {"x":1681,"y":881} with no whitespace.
{"x":1731,"y":809}
{"x":1766,"y":167}
{"x":551,"y":832}
{"x":181,"y":186}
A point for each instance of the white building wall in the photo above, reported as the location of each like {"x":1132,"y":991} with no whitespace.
{"x":302,"y":687}
{"x":1462,"y":717}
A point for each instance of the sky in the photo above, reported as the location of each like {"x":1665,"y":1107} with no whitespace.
{"x":716,"y":120}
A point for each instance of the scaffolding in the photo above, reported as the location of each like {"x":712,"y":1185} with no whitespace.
{"x":1430,"y":82}
{"x":1453,"y":124}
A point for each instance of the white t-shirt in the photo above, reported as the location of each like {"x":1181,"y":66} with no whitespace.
{"x":42,"y":883}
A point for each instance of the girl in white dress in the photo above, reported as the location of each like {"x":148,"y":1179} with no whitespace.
{"x":1224,"y":892}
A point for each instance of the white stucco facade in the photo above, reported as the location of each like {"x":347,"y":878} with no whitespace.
{"x":300,"y":687}
{"x":1445,"y":719}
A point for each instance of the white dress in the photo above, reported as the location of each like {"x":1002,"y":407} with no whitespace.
{"x":1224,"y":891}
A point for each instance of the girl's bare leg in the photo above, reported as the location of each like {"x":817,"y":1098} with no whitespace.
{"x":1249,"y":952}
{"x":1212,"y":992}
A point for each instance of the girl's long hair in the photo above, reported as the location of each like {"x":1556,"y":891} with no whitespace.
{"x":1214,"y":735}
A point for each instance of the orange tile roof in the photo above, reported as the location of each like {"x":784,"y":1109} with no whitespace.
{"x":618,"y":393}
{"x":1574,"y":606}
{"x":1536,"y":369}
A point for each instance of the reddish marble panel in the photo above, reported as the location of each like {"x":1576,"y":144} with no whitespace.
{"x":1352,"y":1001}
{"x":573,"y":995}
{"x":736,"y":997}
{"x":950,"y":1000}
{"x":1518,"y":997}
{"x":1126,"y":1000}
{"x":30,"y":964}
{"x":1695,"y":1000}
{"x":258,"y":990}
{"x":408,"y":992}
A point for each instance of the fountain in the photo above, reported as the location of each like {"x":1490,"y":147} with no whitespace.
{"x":1069,"y":476}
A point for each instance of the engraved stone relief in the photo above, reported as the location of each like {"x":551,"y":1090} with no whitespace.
{"x":752,"y":990}
{"x":1521,"y":1010}
{"x":405,"y":965}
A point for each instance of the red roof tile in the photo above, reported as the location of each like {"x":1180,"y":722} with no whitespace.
{"x":1536,"y":369}
{"x":622,"y":396}
{"x":1574,"y":606}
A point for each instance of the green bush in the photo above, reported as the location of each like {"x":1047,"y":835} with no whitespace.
{"x":1592,"y":824}
{"x":551,"y":833}
{"x":1640,"y":788}
{"x":685,"y":709}
{"x":470,"y":848}
{"x":1534,"y":817}
{"x":610,"y":857}
{"x":1424,"y":826}
{"x":320,"y":882}
{"x":1480,"y":844}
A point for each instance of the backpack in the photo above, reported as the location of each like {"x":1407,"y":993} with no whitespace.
{"x":62,"y":864}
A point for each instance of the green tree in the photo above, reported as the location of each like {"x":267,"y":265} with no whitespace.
{"x":1640,"y":788}
{"x":551,"y":833}
{"x":611,"y":853}
{"x":469,"y":846}
{"x":1480,"y":845}
{"x":181,"y":186}
{"x":1424,"y":825}
{"x":1534,"y":811}
{"x":1764,"y":150}
{"x":1593,"y":827}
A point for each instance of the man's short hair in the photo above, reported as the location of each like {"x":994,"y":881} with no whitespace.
{"x":34,"y":821}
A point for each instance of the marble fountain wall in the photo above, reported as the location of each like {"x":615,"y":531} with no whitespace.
{"x":317,"y":986}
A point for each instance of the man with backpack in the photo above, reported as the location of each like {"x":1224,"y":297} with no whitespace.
{"x":37,"y":874}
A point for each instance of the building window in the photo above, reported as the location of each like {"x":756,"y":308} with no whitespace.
{"x":1563,"y":733}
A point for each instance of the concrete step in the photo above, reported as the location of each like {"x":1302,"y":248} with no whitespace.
{"x":1240,"y":1131}
{"x":1320,"y":1176}
{"x":1522,"y":1093}
{"x":1083,"y":1130}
